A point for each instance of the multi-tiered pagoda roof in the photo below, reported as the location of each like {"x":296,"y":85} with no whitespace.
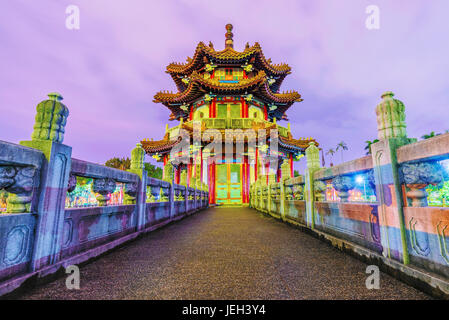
{"x":204,"y":78}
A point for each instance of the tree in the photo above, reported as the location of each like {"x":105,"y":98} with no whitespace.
{"x":430,"y":135}
{"x":368,"y":145}
{"x":125,"y":164}
{"x":153,"y":171}
{"x":343,"y":147}
{"x":330,"y":153}
{"x":119,"y":163}
{"x":296,"y":173}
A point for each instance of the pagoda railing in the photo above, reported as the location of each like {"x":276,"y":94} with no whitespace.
{"x":230,"y":123}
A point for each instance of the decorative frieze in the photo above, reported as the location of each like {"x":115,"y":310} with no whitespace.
{"x":104,"y":187}
{"x":298,"y":192}
{"x":72,"y":183}
{"x":319,"y":187}
{"x":417,"y":176}
{"x":19,"y":182}
{"x":130,"y":193}
{"x":343,"y":184}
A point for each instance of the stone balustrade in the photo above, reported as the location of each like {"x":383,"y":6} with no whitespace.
{"x":370,"y":221}
{"x":378,"y":202}
{"x":39,"y":235}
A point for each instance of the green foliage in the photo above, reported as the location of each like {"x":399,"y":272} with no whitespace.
{"x":153,"y":171}
{"x":296,"y":173}
{"x":3,"y":194}
{"x":343,"y":147}
{"x":368,"y":145}
{"x":119,"y":163}
{"x":438,"y":195}
{"x":83,"y":181}
{"x":432,"y":134}
{"x":330,"y":152}
{"x":125,"y":164}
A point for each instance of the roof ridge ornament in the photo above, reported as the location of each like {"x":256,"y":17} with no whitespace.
{"x":229,"y":42}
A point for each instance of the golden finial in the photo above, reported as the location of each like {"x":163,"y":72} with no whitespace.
{"x":229,"y":42}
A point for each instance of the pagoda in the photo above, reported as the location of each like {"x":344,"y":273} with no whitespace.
{"x":227,"y":90}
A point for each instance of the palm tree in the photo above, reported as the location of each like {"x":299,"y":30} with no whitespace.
{"x":330,"y":153}
{"x":368,"y":145}
{"x":342,"y":146}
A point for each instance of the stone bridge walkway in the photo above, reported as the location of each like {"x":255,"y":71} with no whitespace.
{"x":226,"y":253}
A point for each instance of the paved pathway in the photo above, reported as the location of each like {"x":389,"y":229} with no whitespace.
{"x":226,"y":253}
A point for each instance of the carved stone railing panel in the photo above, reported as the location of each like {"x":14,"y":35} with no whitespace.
{"x":298,"y":192}
{"x":319,"y":187}
{"x":343,"y":184}
{"x":417,"y":176}
{"x":164,"y":191}
{"x":275,"y":191}
{"x":104,"y":187}
{"x":179,"y":192}
{"x":130,"y":193}
{"x":19,"y":182}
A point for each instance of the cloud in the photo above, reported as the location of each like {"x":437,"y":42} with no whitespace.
{"x":109,"y":70}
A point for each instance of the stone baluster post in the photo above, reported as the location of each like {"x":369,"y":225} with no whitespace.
{"x":271,"y":181}
{"x":47,"y":136}
{"x":286,"y":174}
{"x":139,"y":196}
{"x":313,"y":164}
{"x":392,"y":134}
{"x":169,"y":177}
{"x":183,"y":182}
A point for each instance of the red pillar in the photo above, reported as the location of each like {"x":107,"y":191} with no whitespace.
{"x":178,"y":174}
{"x":256,"y":164}
{"x":189,"y":172}
{"x":212,"y":183}
{"x":244,"y":179}
{"x":244,"y":108}
{"x":201,"y":159}
{"x":213,"y":108}
{"x":267,"y":169}
{"x":291,"y":165}
{"x":248,"y":179}
{"x":265,"y":111}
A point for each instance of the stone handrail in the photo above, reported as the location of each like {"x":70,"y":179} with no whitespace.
{"x":20,"y":175}
{"x":39,"y":235}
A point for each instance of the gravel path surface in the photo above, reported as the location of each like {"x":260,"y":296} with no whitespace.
{"x":226,"y":253}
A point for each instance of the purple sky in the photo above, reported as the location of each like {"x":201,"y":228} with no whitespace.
{"x":109,"y":70}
